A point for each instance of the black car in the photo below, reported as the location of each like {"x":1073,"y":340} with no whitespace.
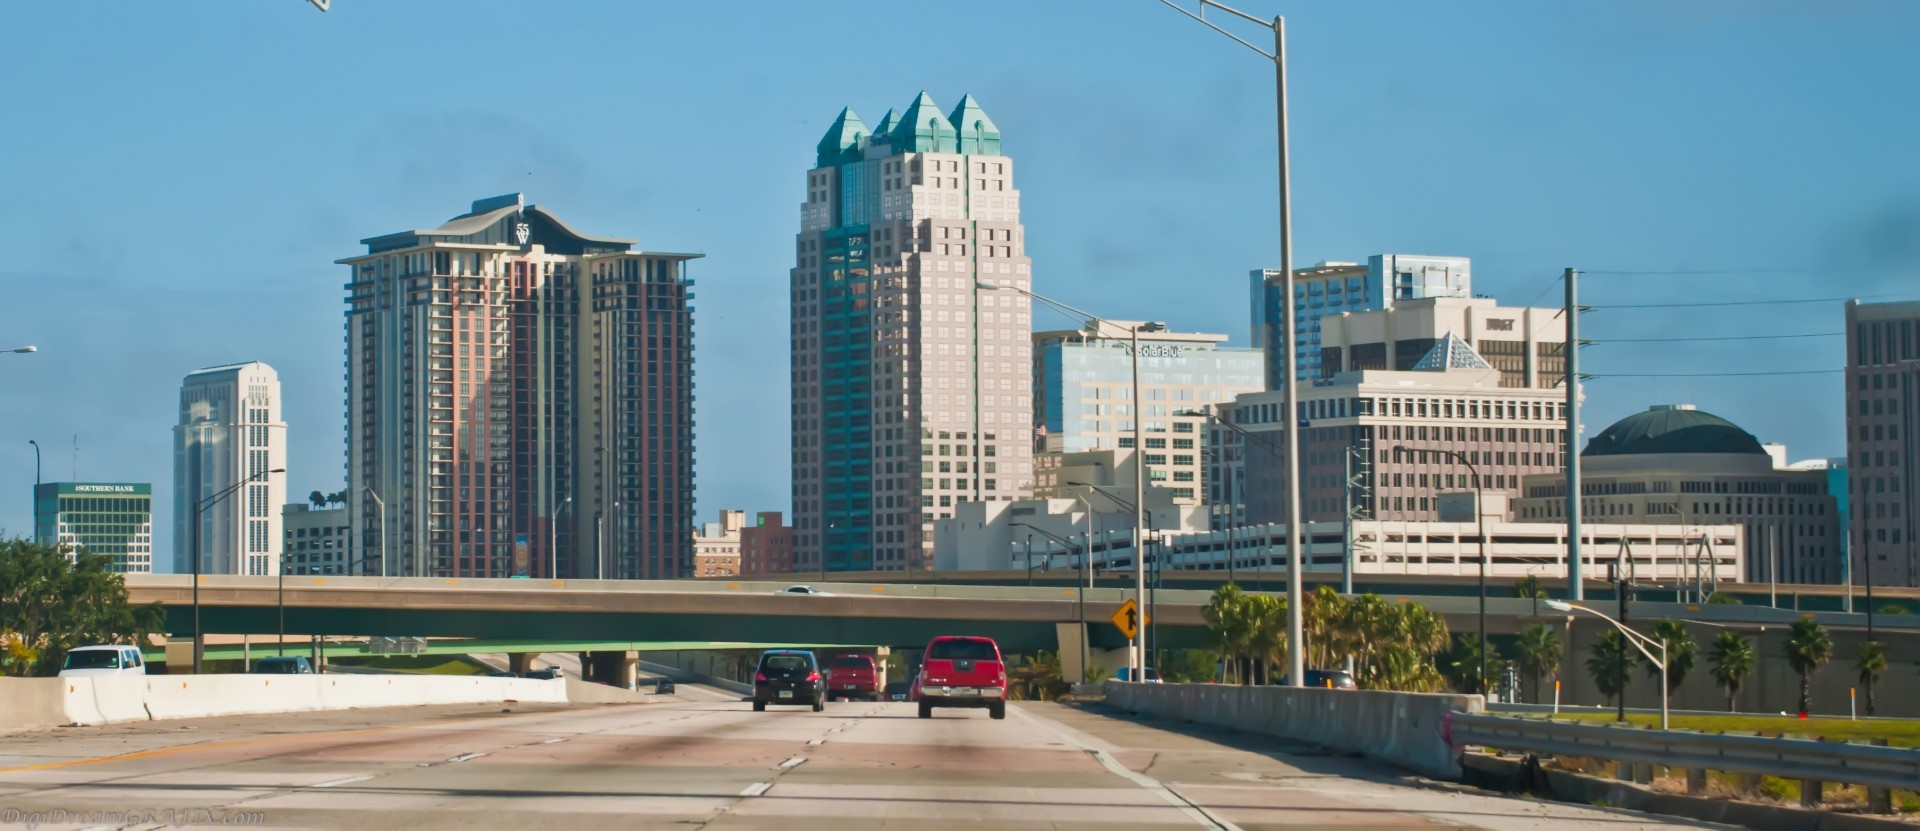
{"x":897,"y":691}
{"x":546,"y":673}
{"x":501,"y":673}
{"x":663,"y":686}
{"x":1328,"y":679}
{"x":788,"y":676}
{"x":283,"y":666}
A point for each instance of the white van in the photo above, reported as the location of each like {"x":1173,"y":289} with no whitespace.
{"x":111,"y":659}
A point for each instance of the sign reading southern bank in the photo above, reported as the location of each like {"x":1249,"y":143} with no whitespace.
{"x":107,"y":488}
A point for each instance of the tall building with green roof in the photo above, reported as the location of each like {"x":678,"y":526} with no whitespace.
{"x":912,"y":385}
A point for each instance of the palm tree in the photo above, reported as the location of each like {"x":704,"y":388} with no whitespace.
{"x":1528,"y":588}
{"x":1870,"y":661}
{"x":1266,"y":633}
{"x":1227,"y":628}
{"x":1537,"y":651}
{"x":1808,"y":648}
{"x":318,"y":499}
{"x":1465,"y":662}
{"x":1611,"y":664}
{"x":1681,"y":651}
{"x":1733,"y":659}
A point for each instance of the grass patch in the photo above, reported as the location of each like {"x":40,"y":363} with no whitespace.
{"x":1898,"y":733}
{"x":421,"y":664}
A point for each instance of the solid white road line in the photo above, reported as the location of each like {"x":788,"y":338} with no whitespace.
{"x":553,"y":741}
{"x":342,"y":781}
{"x":1199,"y":815}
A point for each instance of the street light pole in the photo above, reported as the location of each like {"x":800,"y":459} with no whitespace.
{"x":1639,"y":642}
{"x":1480,"y":524}
{"x":553,"y":542}
{"x":200,"y":507}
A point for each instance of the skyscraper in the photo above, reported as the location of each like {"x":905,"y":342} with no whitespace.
{"x":1330,"y":288}
{"x":519,"y":400}
{"x":911,"y":382}
{"x":230,"y":429}
{"x":1883,"y":441}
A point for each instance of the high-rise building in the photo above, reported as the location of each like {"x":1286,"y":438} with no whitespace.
{"x":1083,"y":396}
{"x":912,"y":381}
{"x":1451,"y":399}
{"x":766,"y":546}
{"x":230,"y":429}
{"x":716,"y":546}
{"x":1330,"y":288}
{"x":1677,"y":465}
{"x":1527,"y":345}
{"x":1883,"y":441}
{"x":315,"y":540}
{"x":108,"y":519}
{"x":505,"y":363}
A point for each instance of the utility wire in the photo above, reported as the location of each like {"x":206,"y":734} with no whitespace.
{"x":1746,"y":302}
{"x":1709,"y":374}
{"x":1721,"y":338}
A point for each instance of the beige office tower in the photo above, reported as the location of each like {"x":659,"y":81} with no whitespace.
{"x":911,"y":380}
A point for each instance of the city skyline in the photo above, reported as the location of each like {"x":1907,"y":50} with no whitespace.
{"x":84,"y":299}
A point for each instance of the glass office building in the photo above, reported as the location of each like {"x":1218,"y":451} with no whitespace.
{"x":108,"y":519}
{"x":1330,"y":288}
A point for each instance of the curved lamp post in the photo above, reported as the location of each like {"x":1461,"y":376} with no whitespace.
{"x":1638,"y":640}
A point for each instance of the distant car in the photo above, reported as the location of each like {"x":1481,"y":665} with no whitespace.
{"x":282,"y":665}
{"x":546,"y":673}
{"x":1125,"y":673}
{"x":663,"y":686}
{"x":502,"y":673}
{"x":898,"y":691}
{"x":788,"y":676}
{"x":805,"y":591}
{"x":853,"y":676}
{"x":1333,"y":679}
{"x":103,"y":660}
{"x":962,"y":671}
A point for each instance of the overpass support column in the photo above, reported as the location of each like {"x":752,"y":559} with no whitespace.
{"x":520,"y":663}
{"x":630,"y":670}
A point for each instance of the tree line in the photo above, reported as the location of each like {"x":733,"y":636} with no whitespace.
{"x":50,"y":603}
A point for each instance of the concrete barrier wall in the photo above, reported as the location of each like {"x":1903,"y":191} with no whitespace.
{"x":52,"y":702}
{"x":1404,"y":729}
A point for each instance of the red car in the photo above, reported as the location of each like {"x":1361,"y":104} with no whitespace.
{"x":851,"y":677}
{"x":962,"y":671}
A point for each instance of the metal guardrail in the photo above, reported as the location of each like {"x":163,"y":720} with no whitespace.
{"x":1840,"y":762}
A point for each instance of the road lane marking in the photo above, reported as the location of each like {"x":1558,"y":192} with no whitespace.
{"x":1198,"y":814}
{"x":466,"y":757}
{"x":757,"y":789}
{"x":553,"y":741}
{"x":345,"y":781}
{"x":816,"y":742}
{"x":792,"y":763}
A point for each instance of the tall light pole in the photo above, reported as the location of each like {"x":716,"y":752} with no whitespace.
{"x":380,"y":515}
{"x":1639,"y":642}
{"x":200,"y":507}
{"x":1480,"y":523}
{"x":36,"y":489}
{"x":1296,"y":646}
{"x":553,"y":540}
{"x":1097,"y":324}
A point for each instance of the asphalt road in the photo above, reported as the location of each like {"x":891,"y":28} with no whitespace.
{"x":716,"y":764}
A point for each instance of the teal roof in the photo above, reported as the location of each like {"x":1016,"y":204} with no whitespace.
{"x":1451,"y":353}
{"x":924,"y":130}
{"x":1673,"y":429}
{"x":977,"y":132}
{"x":888,"y":124}
{"x":844,"y":142}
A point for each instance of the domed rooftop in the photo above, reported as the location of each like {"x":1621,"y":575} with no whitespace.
{"x":1672,"y":428}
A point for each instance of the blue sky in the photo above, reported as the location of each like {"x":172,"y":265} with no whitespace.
{"x":180,"y":176}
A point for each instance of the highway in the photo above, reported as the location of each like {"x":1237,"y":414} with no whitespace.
{"x":715,"y":764}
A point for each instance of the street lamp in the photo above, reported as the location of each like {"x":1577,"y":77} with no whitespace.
{"x":1095,"y":323}
{"x":1296,"y":655}
{"x":200,"y":507}
{"x":1639,"y":642}
{"x":1480,"y":523}
{"x":553,"y":541}
{"x":380,"y":515}
{"x":1080,"y":586}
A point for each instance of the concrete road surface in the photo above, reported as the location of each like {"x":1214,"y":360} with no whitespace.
{"x":718,"y":765}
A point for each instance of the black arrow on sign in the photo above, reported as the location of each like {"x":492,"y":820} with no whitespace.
{"x":1133,"y":619}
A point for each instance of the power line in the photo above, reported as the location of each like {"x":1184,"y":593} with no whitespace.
{"x":1747,"y":302}
{"x":1705,"y":271}
{"x":1721,"y":338}
{"x":1710,"y":374}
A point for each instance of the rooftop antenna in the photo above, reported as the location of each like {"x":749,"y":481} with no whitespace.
{"x":76,"y":457}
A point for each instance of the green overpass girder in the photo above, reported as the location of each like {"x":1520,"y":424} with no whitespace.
{"x":486,"y":646}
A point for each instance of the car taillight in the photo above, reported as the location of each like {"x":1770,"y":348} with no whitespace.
{"x":759,"y":677}
{"x":813,"y":676}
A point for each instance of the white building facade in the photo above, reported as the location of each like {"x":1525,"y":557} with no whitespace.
{"x":230,"y":429}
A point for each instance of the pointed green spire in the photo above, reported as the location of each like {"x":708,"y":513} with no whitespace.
{"x":845,"y":141}
{"x":888,"y":124}
{"x":924,"y":130}
{"x":977,"y":132}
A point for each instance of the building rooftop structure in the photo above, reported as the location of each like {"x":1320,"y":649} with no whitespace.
{"x":1672,"y":428}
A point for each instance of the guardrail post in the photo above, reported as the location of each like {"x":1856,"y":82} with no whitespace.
{"x":1879,"y":800}
{"x":1696,"y":781}
{"x":1810,"y":795}
{"x":1643,"y":773}
{"x":1623,"y":771}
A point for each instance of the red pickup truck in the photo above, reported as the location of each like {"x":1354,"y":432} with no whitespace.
{"x":851,"y":677}
{"x":962,"y":672}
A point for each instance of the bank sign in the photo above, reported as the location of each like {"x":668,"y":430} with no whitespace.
{"x":97,"y":489}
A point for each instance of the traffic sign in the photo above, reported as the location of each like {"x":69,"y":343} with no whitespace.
{"x":1128,"y":619}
